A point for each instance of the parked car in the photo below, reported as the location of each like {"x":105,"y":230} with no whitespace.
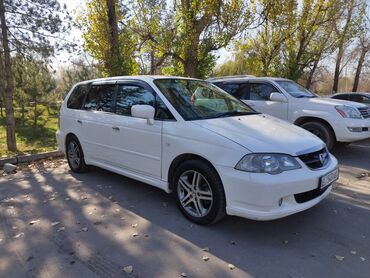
{"x":356,"y":97}
{"x":216,"y":154}
{"x":329,"y":119}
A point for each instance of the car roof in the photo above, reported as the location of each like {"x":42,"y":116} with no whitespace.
{"x":245,"y":78}
{"x":134,"y":77}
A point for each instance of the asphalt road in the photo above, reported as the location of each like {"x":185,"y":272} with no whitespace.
{"x":57,"y":224}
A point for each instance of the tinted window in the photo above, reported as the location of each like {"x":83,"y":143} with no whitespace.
{"x":129,"y":95}
{"x":233,"y":88}
{"x":357,"y":98}
{"x":162,"y":112}
{"x":295,"y":90}
{"x":100,"y":98}
{"x":261,"y":91}
{"x":77,"y":97}
{"x":343,"y":97}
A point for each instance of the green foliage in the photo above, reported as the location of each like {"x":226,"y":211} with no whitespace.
{"x":96,"y":31}
{"x":293,"y":36}
{"x":30,"y":138}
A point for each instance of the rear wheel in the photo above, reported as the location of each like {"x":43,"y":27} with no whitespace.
{"x":321,"y":130}
{"x":199,"y":192}
{"x":75,"y":156}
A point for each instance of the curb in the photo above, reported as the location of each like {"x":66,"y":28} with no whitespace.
{"x":30,"y":157}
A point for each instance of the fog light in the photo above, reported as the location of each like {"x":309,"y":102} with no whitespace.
{"x":280,"y":202}
{"x":355,"y":129}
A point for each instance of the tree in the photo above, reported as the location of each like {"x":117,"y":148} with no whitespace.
{"x":9,"y":86}
{"x":185,"y":38}
{"x":29,"y":28}
{"x":105,"y":40}
{"x":363,"y":45}
{"x":345,"y":31}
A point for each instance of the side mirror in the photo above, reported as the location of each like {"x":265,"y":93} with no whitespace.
{"x":278,"y":97}
{"x":143,"y":111}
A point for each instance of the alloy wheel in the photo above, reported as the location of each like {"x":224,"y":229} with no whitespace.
{"x":195,"y":193}
{"x":74,"y":154}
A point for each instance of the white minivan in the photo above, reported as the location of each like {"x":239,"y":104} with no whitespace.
{"x":216,"y":154}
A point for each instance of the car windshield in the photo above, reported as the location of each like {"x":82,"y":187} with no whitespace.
{"x":295,"y":90}
{"x":197,"y":100}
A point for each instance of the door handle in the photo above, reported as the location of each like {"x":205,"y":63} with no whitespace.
{"x":79,"y":121}
{"x":115,"y":128}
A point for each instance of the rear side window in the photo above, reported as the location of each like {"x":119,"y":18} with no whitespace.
{"x":77,"y":96}
{"x":100,"y":98}
{"x":238,"y":90}
{"x":345,"y":97}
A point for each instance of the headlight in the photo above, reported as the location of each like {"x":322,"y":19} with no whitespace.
{"x":348,"y":112}
{"x":267,"y":163}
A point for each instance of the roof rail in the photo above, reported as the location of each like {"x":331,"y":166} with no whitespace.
{"x":230,"y":76}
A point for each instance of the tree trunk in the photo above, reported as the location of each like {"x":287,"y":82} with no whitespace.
{"x":312,"y":72}
{"x":359,"y":68}
{"x":115,"y":61}
{"x":337,"y":69}
{"x":2,"y":80}
{"x":9,"y":85}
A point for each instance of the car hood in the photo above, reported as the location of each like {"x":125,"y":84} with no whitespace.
{"x":264,"y":133}
{"x":333,"y":102}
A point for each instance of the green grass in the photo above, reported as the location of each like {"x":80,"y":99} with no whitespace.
{"x":30,"y":138}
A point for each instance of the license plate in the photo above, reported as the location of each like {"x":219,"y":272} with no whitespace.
{"x":329,"y":178}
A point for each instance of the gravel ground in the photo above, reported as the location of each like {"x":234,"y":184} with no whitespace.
{"x":57,"y":224}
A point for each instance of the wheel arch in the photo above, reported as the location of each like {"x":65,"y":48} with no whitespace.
{"x":182,"y":158}
{"x":305,"y":119}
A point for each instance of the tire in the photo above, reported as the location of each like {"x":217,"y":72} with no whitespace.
{"x":321,"y":130}
{"x":75,"y":156}
{"x":202,"y":202}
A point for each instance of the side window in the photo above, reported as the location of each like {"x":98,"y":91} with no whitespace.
{"x":261,"y":91}
{"x":77,"y":97}
{"x":129,"y":95}
{"x":233,"y":89}
{"x":162,"y":112}
{"x":100,"y":98}
{"x":343,"y":97}
{"x":356,"y":98}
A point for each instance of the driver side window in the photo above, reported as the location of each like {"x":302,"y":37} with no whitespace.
{"x":261,"y":91}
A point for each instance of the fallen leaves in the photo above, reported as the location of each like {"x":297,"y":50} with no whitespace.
{"x":339,"y":258}
{"x":205,"y":258}
{"x":33,"y":222}
{"x":84,"y":229}
{"x":18,"y":235}
{"x":183,"y":274}
{"x":231,"y":266}
{"x":128,"y":269}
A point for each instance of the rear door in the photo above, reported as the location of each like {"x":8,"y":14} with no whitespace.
{"x":94,"y":122}
{"x":257,"y":95}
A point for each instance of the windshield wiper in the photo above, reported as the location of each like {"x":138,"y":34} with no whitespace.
{"x":234,"y":113}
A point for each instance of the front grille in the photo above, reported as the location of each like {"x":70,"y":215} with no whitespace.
{"x":316,"y":159}
{"x":365,"y":112}
{"x":309,"y":195}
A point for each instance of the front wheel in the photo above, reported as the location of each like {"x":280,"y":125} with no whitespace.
{"x":321,"y":130}
{"x":199,"y":192}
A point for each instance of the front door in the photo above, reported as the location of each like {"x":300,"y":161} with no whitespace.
{"x":258,"y":97}
{"x":136,"y":145}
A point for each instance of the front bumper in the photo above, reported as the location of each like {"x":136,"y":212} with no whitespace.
{"x":266,"y":197}
{"x":343,"y":134}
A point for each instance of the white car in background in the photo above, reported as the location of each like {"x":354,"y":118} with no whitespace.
{"x":216,"y":154}
{"x":330,"y":119}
